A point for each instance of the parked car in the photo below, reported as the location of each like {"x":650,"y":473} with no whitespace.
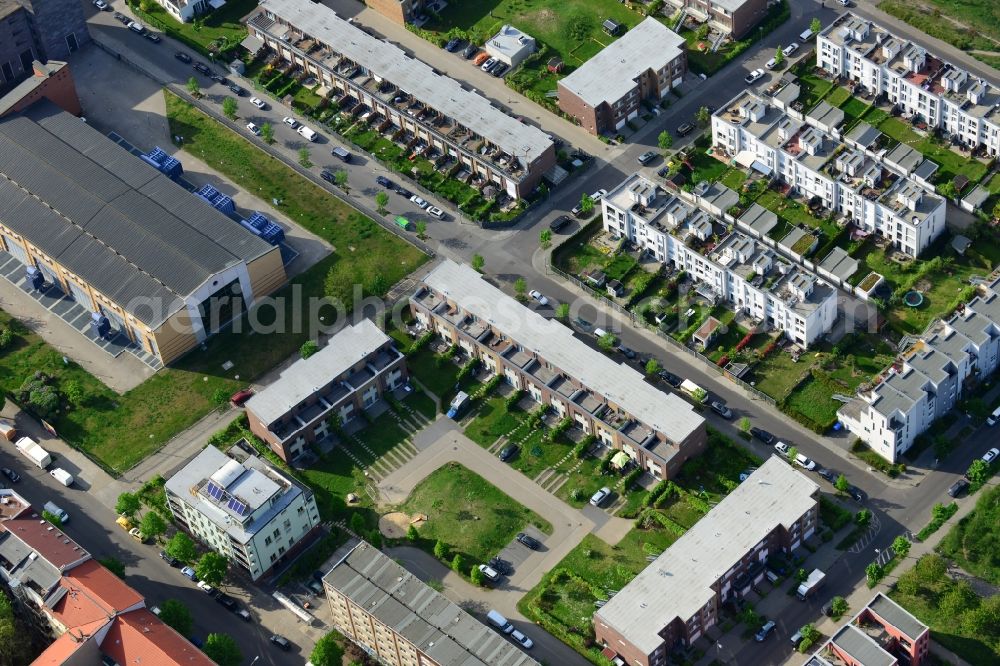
{"x":291,"y":122}
{"x":670,"y":378}
{"x":781,"y":448}
{"x":239,"y":398}
{"x":509,"y":452}
{"x":771,"y":64}
{"x":11,"y":475}
{"x":470,"y":51}
{"x":488,"y":64}
{"x":489,"y":573}
{"x":647,"y":157}
{"x":629,"y":353}
{"x":559,"y":223}
{"x":452,"y":45}
{"x":189,"y":573}
{"x":721,"y":409}
{"x":499,"y":69}
{"x":481,"y":58}
{"x":598,"y":498}
{"x":136,"y":27}
{"x":762,"y":435}
{"x":990,"y":455}
{"x":599,"y":194}
{"x":205,"y":587}
{"x":420,"y":202}
{"x":169,"y":559}
{"x":805,"y":463}
{"x":327,"y":176}
{"x":152,"y":36}
{"x":529,"y":541}
{"x":856,"y":494}
{"x":958,"y":488}
{"x":537,"y":295}
{"x":316,"y":588}
{"x":790,"y":49}
{"x":685,"y":129}
{"x":754,"y":76}
{"x":403,"y":192}
{"x":434,"y":211}
{"x":219,"y":78}
{"x":253,"y":129}
{"x":503,"y":566}
{"x":384,"y":182}
{"x":521,"y":639}
{"x":201,"y":67}
{"x":136,"y":534}
{"x":100,"y":4}
{"x":845,"y":3}
{"x":258,"y":102}
{"x":765,"y":631}
{"x":827,"y":474}
{"x":281,"y":642}
{"x":122,"y":18}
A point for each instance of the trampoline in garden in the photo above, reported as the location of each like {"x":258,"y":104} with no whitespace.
{"x":914,"y":299}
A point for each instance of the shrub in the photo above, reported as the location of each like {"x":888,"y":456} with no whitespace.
{"x":631,"y":478}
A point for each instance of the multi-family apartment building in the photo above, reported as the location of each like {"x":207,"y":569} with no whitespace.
{"x":608,"y":90}
{"x":542,"y":357}
{"x":929,"y":378}
{"x":400,"y":621}
{"x":243,"y":507}
{"x":921,"y":84}
{"x":673,"y":601}
{"x":39,"y":30}
{"x":355,"y":368}
{"x":880,"y":634}
{"x":406,"y":97}
{"x":815,"y":164}
{"x":732,"y":17}
{"x":743,"y":273}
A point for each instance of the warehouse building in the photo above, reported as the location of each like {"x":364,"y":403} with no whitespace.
{"x":147,"y":259}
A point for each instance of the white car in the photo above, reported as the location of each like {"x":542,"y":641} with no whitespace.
{"x":781,"y":448}
{"x":434,"y":211}
{"x":205,"y":587}
{"x":420,"y":202}
{"x":136,"y":27}
{"x":598,"y":498}
{"x":253,"y":129}
{"x":521,"y":639}
{"x":991,"y":455}
{"x":537,"y":295}
{"x":258,"y":102}
{"x":805,"y":463}
{"x":100,"y":4}
{"x":790,"y":49}
{"x":598,"y":195}
{"x":291,"y":122}
{"x":845,"y":3}
{"x":489,"y":63}
{"x":753,"y":76}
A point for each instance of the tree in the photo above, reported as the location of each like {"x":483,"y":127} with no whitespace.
{"x":607,"y":341}
{"x":340,"y":179}
{"x":328,"y":651}
{"x":381,"y":201}
{"x":996,"y":211}
{"x":421,"y":229}
{"x":665,"y":141}
{"x":978,"y":472}
{"x":702,"y":31}
{"x":220,"y":396}
{"x":745,"y":425}
{"x":792,"y":452}
{"x":71,"y":389}
{"x":562,"y":311}
{"x":874,"y":572}
{"x":176,"y":615}
{"x":11,"y":645}
{"x":440,"y":550}
{"x":703,"y":116}
{"x":478,"y":579}
{"x":699,"y":395}
{"x":841,"y":484}
{"x":815,"y":26}
{"x":652,"y":367}
{"x":901,"y":546}
{"x":181,"y":547}
{"x":412,"y":534}
{"x":520,"y":288}
{"x":478,"y":262}
{"x":128,"y":505}
{"x":838,"y":607}
{"x":212,"y":568}
{"x":304,"y":158}
{"x":52,"y":518}
{"x":193,"y":87}
{"x":458,"y":563}
{"x":308,"y":348}
{"x":586,"y":205}
{"x":267,"y":133}
{"x":801,"y":575}
{"x":229,"y":108}
{"x":357,"y":523}
{"x":863,"y":517}
{"x":152,"y":525}
{"x":545,"y":238}
{"x":222,"y":649}
{"x":114,"y":565}
{"x":779,"y":57}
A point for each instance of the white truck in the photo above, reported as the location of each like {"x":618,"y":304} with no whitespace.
{"x":33,"y":452}
{"x":810,"y":584}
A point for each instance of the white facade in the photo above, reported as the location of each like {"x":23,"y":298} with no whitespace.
{"x":816,"y":164}
{"x":185,"y":10}
{"x":745,"y":274}
{"x":920,"y":83}
{"x":510,"y":46}
{"x":242,"y":507}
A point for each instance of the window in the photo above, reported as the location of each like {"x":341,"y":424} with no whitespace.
{"x":274,"y":556}
{"x":277,"y":532}
{"x":267,"y":541}
{"x":71,"y":42}
{"x":7,"y":71}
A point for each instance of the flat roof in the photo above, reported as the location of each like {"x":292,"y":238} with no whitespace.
{"x":442,"y":93}
{"x":105,"y":215}
{"x":611,"y":74}
{"x":307,"y":375}
{"x":555,"y":343}
{"x":679,"y":583}
{"x":862,"y":647}
{"x":897,"y":616}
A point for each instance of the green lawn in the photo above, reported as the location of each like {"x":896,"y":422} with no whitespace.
{"x":795,"y":212}
{"x":705,"y":167}
{"x":951,"y":163}
{"x":221,"y":27}
{"x":812,"y":90}
{"x":838,"y":96}
{"x":493,"y":421}
{"x":468,"y":513}
{"x":734,"y":178}
{"x":537,"y":455}
{"x":585,"y":479}
{"x":972,"y":543}
{"x":579,"y":254}
{"x":853,"y":109}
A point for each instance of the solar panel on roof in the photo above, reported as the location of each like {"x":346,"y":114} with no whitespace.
{"x":237,"y":506}
{"x":215,"y":491}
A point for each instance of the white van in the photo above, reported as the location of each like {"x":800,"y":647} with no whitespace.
{"x":599,"y":333}
{"x":62,"y":476}
{"x":56,"y":511}
{"x":692,"y":389}
{"x":992,"y":419}
{"x":306,"y":133}
{"x":500,"y":622}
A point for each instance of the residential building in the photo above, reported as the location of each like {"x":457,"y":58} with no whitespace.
{"x":732,"y":17}
{"x":92,"y":614}
{"x":510,"y":45}
{"x":659,"y":431}
{"x":880,"y":634}
{"x":350,"y":374}
{"x":40,"y":30}
{"x":187,"y":10}
{"x":400,"y":11}
{"x":929,"y":378}
{"x":243,"y":507}
{"x":100,"y":227}
{"x":401,"y":621}
{"x":608,"y":90}
{"x":52,"y":81}
{"x":922,"y":85}
{"x":405,"y":98}
{"x":743,"y":273}
{"x":673,"y":601}
{"x":813,"y":163}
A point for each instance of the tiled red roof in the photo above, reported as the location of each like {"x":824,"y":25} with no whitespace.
{"x":57,"y":653}
{"x":48,"y":541}
{"x":139,"y":637}
{"x":92,"y":593}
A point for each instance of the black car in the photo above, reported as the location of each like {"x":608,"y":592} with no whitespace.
{"x":452,"y":45}
{"x":281,"y":642}
{"x":202,"y":67}
{"x":955,"y":490}
{"x":684,"y":129}
{"x":470,"y":51}
{"x":500,"y":69}
{"x":502,"y":567}
{"x":121,"y":17}
{"x":227,"y":601}
{"x":403,"y":192}
{"x":384,"y":182}
{"x":237,"y":90}
{"x":856,"y":494}
{"x":169,"y":559}
{"x":629,"y":354}
{"x":326,"y":175}
{"x":219,"y":78}
{"x":152,"y":36}
{"x":318,"y":576}
{"x":670,"y":378}
{"x":559,"y":223}
{"x":530,"y":542}
{"x":762,"y":435}
{"x":183,"y":57}
{"x":827,"y":474}
{"x":11,"y":474}
{"x":509,"y":452}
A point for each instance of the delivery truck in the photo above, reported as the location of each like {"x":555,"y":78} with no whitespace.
{"x":33,"y":452}
{"x":809,"y":586}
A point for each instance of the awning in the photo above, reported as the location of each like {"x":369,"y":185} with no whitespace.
{"x":216,"y":4}
{"x":253,"y":44}
{"x":620,"y":459}
{"x":745,"y":158}
{"x":760,"y":167}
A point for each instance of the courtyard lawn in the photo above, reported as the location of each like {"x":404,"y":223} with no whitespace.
{"x":221,"y":27}
{"x":733,"y":178}
{"x":466,"y":512}
{"x":579,"y":254}
{"x":951,"y":163}
{"x":493,"y":421}
{"x":853,"y":109}
{"x":838,"y":96}
{"x":583,"y":481}
{"x":794,"y":213}
{"x":437,"y":377}
{"x":812,"y":90}
{"x":537,"y":455}
{"x":705,"y":167}
{"x":332,"y":478}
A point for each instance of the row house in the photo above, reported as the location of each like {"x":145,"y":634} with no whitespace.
{"x":922,"y":85}
{"x":400,"y":95}
{"x":677,"y":598}
{"x":882,"y":633}
{"x":542,"y":357}
{"x":846,"y":179}
{"x":929,"y":379}
{"x":743,"y":273}
{"x":734,"y":18}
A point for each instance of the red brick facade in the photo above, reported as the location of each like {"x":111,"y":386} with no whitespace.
{"x":52,"y":81}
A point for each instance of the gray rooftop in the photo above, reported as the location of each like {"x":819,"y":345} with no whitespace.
{"x":863,"y":134}
{"x":905,"y":157}
{"x":554,"y":342}
{"x":108,"y":217}
{"x":611,"y":74}
{"x":307,"y":375}
{"x":510,"y":41}
{"x":826,"y":115}
{"x":32,"y":571}
{"x":862,"y":647}
{"x":386,"y":60}
{"x":977,"y":197}
{"x":897,"y":616}
{"x":759,"y":219}
{"x":839,"y":263}
{"x":429,"y":621}
{"x":679,"y":583}
{"x":926,"y":169}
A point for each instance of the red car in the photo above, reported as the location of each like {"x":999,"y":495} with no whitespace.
{"x":240,"y":397}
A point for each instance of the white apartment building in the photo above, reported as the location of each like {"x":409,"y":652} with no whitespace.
{"x":846,"y":180}
{"x":742,"y":272}
{"x":243,"y":508}
{"x":945,"y":96}
{"x":929,"y":379}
